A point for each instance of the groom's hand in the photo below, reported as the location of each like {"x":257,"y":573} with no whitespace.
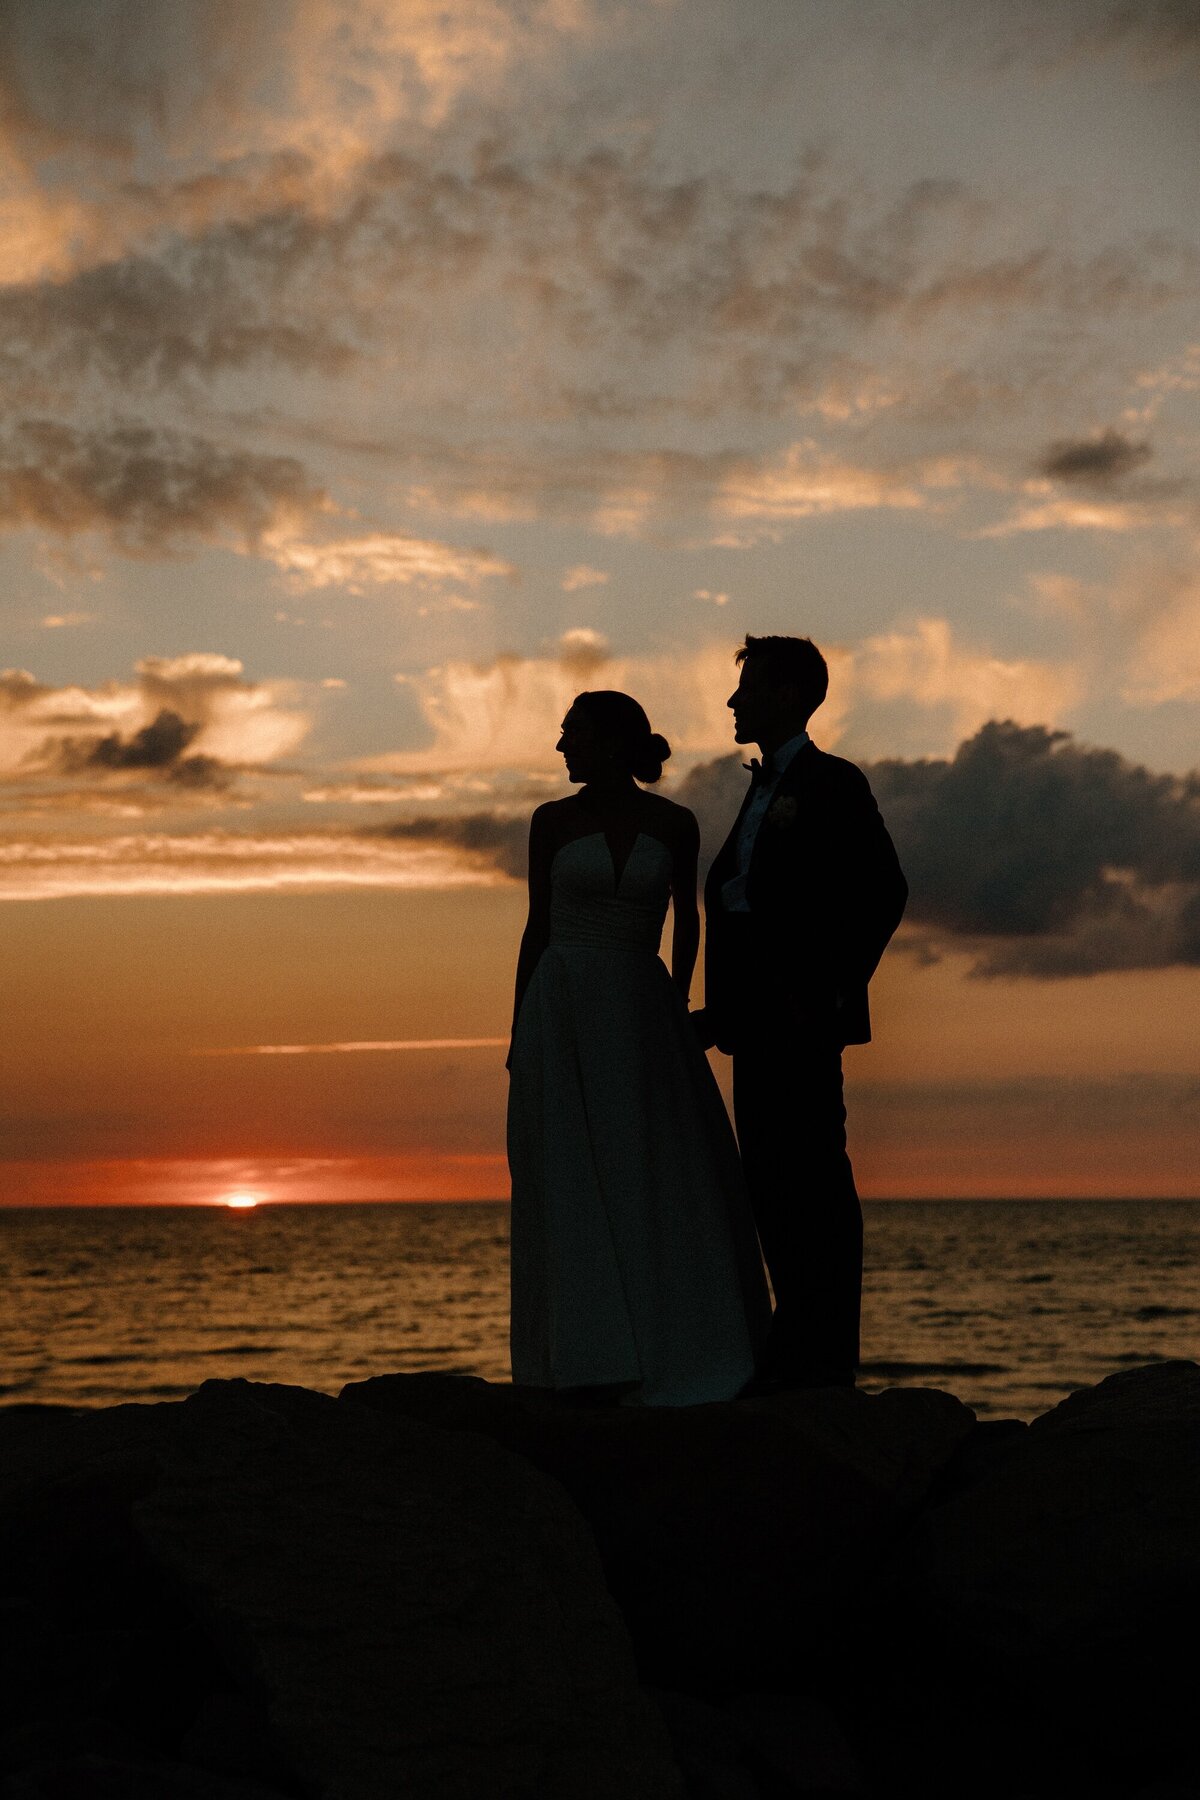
{"x":705,"y":1035}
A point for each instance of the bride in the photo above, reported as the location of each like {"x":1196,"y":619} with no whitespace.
{"x":635,"y":1269}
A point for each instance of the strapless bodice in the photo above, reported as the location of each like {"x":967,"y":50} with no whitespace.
{"x":590,"y":907}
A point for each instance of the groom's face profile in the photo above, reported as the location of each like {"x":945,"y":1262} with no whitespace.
{"x":759,"y":706}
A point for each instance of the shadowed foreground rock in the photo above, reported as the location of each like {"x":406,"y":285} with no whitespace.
{"x":721,"y":1527}
{"x":303,"y":1598}
{"x":264,"y":1594}
{"x":1061,"y":1580}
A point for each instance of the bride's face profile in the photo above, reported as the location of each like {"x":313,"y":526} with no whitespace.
{"x":579,"y":746}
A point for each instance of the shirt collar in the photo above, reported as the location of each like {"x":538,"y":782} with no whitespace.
{"x":783,"y":756}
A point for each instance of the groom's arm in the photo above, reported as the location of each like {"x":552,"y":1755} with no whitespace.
{"x":884,"y":889}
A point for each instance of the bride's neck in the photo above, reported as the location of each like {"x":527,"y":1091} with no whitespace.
{"x":604,"y":790}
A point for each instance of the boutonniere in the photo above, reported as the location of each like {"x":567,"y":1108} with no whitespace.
{"x":782,"y":811}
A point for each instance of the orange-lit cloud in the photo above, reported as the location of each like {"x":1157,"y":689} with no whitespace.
{"x":582,"y":576}
{"x":181,"y":718}
{"x":506,"y":713}
{"x":221,"y":862}
{"x":928,"y":666}
{"x":804,"y":484}
{"x":146,"y":490}
{"x":1159,"y":609}
{"x":1079,"y":513}
{"x":378,"y":559}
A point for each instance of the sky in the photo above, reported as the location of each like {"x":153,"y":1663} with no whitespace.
{"x":377,"y":376}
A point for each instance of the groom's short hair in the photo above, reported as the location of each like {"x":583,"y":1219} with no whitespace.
{"x":790,"y":662}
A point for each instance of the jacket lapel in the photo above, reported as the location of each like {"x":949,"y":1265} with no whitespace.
{"x":792,"y":784}
{"x":723,"y":862}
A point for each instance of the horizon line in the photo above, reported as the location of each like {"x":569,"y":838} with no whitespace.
{"x":354,"y":1046}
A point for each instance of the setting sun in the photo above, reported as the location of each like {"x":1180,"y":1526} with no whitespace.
{"x":239,"y":1202}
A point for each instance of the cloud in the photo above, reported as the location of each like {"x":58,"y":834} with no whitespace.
{"x":1162,"y":37}
{"x":737,"y":497}
{"x":505,"y":714}
{"x":227,"y":863}
{"x":1067,"y":860}
{"x":1091,"y":514}
{"x":148,"y":491}
{"x":258,"y":75}
{"x":1159,"y":609}
{"x":378,"y":559}
{"x":160,"y":320}
{"x":158,"y":747}
{"x":627,"y":288}
{"x":1041,"y":857}
{"x":926,"y":667}
{"x":1094,"y":460}
{"x":192,"y":721}
{"x":582,"y":575}
{"x":496,"y":841}
{"x":806,"y":483}
{"x":582,"y":651}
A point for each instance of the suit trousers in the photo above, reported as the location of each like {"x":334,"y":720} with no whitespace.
{"x":791,"y":1125}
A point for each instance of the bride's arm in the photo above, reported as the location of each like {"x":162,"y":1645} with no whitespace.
{"x":685,"y":939}
{"x":537,"y":927}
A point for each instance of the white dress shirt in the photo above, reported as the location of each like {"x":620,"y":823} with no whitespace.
{"x":733,"y":891}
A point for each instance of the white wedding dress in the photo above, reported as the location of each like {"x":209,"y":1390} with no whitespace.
{"x":634,"y":1257}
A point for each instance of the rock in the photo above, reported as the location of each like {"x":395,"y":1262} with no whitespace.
{"x":797,"y":1743}
{"x":1054,"y":1589}
{"x":359,"y":1606}
{"x":785,"y":1746}
{"x":739,"y":1540}
{"x":108,"y":1778}
{"x":708,"y":1749}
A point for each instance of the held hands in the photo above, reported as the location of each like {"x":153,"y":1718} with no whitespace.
{"x":706,"y":1037}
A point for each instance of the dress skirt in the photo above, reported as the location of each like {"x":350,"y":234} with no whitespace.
{"x":634,"y":1256}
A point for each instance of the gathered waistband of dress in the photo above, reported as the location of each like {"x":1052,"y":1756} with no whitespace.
{"x":605,"y":944}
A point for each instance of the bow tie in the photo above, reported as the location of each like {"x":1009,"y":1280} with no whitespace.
{"x":760,"y":771}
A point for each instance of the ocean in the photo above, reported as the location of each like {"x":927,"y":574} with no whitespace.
{"x":1009,"y":1304}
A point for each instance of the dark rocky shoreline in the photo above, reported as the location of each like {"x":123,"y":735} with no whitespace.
{"x":431,"y":1586}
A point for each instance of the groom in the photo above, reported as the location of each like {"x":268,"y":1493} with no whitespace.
{"x":800,"y":903}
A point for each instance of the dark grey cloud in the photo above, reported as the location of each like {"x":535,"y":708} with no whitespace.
{"x":192,"y":311}
{"x":1152,"y":38}
{"x":1039,"y":856}
{"x":1043,"y":857}
{"x":147,"y":490}
{"x":1095,"y":460}
{"x":729,"y":294}
{"x":100,"y":78}
{"x":159,"y":749}
{"x":496,"y":838}
{"x":1162,"y":36}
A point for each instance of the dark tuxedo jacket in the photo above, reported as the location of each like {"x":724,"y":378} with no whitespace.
{"x":825,"y":891}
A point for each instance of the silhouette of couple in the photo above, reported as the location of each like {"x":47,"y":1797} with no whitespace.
{"x":636,"y":1226}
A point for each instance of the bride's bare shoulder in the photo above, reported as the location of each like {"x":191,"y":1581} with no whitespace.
{"x":555,"y":820}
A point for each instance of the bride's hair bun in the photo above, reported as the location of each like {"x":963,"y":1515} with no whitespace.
{"x":622,"y":719}
{"x":652,"y":754}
